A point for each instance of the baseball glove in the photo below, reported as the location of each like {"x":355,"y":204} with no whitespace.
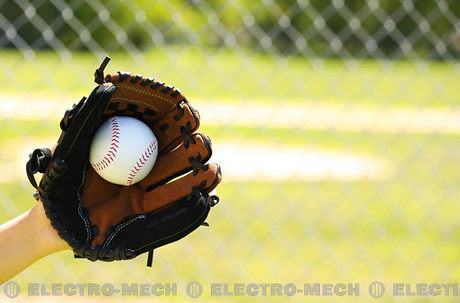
{"x":105,"y":221}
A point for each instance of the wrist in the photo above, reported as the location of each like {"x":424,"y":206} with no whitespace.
{"x":50,"y":240}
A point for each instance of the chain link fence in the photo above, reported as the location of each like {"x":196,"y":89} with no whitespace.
{"x":336,"y":124}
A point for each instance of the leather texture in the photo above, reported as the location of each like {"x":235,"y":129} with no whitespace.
{"x":104,"y":221}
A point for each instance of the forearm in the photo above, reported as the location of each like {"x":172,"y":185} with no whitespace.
{"x":25,"y":239}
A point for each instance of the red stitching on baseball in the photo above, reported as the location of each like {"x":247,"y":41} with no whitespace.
{"x":137,"y":167}
{"x":113,"y":150}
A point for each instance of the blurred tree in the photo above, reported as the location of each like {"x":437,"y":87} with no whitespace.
{"x":325,"y":28}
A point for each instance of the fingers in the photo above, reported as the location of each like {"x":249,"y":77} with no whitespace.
{"x":176,"y":127}
{"x":165,"y":194}
{"x":178,"y":162}
{"x":140,"y":97}
{"x":209,"y":187}
{"x":109,"y":204}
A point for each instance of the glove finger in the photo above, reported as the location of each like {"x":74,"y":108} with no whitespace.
{"x":79,"y":122}
{"x":178,"y":162}
{"x":176,"y":127}
{"x":140,"y":97}
{"x":127,"y":201}
{"x":124,"y":200}
{"x":166,"y":194}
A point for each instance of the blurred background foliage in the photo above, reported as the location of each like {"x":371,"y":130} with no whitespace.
{"x":345,"y":28}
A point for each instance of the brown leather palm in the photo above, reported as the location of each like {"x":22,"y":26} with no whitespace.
{"x":181,"y":163}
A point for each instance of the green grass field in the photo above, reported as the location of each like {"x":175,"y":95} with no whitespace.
{"x":402,"y":229}
{"x":237,"y":75}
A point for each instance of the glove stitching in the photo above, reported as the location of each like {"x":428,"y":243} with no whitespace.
{"x":147,"y":93}
{"x":136,"y":101}
{"x":80,"y":208}
{"x":197,"y":164}
{"x":120,"y":227}
{"x":186,"y":131}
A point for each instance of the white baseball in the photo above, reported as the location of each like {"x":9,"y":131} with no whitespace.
{"x":123,"y":150}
